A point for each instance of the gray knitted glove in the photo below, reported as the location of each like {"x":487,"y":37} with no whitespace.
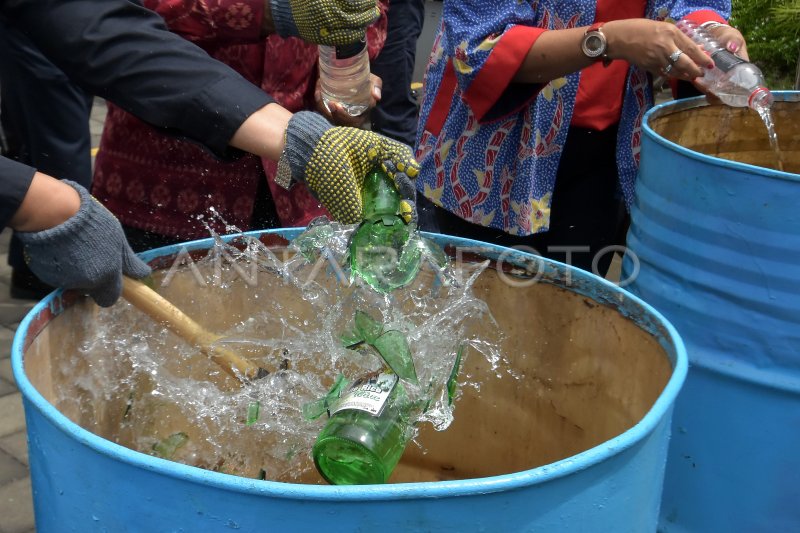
{"x":88,"y":252}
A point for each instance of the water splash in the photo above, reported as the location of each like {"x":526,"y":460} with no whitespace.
{"x":143,"y":385}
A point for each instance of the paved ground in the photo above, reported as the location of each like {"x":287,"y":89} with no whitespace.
{"x":16,"y":506}
{"x":16,"y":509}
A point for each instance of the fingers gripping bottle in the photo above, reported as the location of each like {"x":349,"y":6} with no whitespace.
{"x":344,"y":76}
{"x":733,"y":80}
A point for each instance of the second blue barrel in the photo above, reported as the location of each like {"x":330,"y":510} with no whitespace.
{"x":714,"y":244}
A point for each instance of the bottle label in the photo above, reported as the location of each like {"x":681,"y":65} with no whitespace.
{"x":725,"y":60}
{"x":368,"y":394}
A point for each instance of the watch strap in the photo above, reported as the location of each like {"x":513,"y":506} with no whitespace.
{"x":595,"y":27}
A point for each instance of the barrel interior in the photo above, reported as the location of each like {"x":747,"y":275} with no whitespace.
{"x":586,"y":374}
{"x":736,"y":134}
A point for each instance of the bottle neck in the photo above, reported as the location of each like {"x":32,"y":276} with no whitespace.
{"x":379,"y":196}
{"x":760,"y":98}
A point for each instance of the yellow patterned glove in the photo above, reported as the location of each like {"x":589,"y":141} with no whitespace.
{"x":332,"y":162}
{"x":328,"y":22}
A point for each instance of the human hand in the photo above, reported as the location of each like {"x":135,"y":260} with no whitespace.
{"x":337,"y":113}
{"x":730,"y":38}
{"x":88,"y":252}
{"x":327,"y":22}
{"x":659,"y":47}
{"x":332,"y":162}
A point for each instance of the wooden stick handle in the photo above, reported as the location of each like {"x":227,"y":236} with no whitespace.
{"x":162,"y":311}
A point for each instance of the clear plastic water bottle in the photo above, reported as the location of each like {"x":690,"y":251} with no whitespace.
{"x":344,"y":76}
{"x":733,"y":80}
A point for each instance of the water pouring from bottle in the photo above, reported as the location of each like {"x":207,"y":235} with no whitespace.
{"x":735,"y":81}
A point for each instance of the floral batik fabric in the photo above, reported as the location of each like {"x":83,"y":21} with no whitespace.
{"x":489,"y":148}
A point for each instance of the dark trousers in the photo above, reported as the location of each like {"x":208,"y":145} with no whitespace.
{"x":587,"y":213}
{"x":44,"y":116}
{"x":396,"y":114}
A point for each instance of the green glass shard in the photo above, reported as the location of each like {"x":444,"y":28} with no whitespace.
{"x":452,"y":381}
{"x":351,"y":339}
{"x":252,"y":412}
{"x":396,"y":353}
{"x":367,"y":327}
{"x":315,"y":409}
{"x":167,"y":447}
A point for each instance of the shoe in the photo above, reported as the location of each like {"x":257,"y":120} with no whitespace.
{"x":26,"y":286}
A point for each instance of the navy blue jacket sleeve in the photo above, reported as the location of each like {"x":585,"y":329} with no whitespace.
{"x":123,"y":52}
{"x":15,"y":178}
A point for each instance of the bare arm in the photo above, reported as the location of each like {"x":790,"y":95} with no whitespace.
{"x":642,"y":42}
{"x":263,"y":132}
{"x":48,"y":203}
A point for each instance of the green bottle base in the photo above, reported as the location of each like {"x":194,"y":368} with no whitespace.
{"x":344,"y":462}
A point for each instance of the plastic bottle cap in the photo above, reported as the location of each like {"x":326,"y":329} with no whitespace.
{"x":350,"y":50}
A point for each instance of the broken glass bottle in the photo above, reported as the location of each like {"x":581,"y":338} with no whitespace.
{"x":385,"y":251}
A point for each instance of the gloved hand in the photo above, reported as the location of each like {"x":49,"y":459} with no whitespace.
{"x":88,"y":252}
{"x":328,"y":22}
{"x":332,"y":162}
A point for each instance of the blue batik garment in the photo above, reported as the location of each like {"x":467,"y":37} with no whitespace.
{"x":490,"y":148}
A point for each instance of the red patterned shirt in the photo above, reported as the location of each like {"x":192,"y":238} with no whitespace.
{"x":156,"y":182}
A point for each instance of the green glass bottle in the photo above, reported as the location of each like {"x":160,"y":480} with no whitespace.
{"x":384,"y":250}
{"x":367,"y":432}
{"x":371,"y":420}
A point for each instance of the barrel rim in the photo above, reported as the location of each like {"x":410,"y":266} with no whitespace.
{"x":401,"y":491}
{"x":674,"y":106}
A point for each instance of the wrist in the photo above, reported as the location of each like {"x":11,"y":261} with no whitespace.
{"x":48,"y":203}
{"x":614,"y":45}
{"x":262,"y":133}
{"x":303,"y":133}
{"x":594,"y":44}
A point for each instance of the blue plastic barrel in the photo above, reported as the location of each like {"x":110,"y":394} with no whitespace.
{"x":714,"y":244}
{"x":83,"y":482}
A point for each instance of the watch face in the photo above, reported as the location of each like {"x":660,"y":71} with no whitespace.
{"x":594,"y":44}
